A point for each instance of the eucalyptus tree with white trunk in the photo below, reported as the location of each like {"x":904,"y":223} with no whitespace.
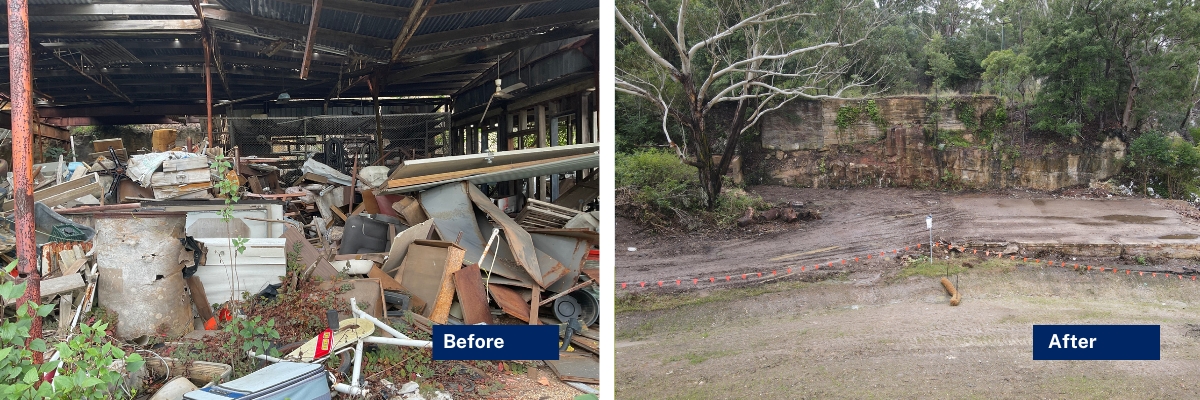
{"x":757,"y":55}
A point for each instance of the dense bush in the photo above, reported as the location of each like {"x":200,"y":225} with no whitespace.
{"x":657,"y":189}
{"x":1164,"y":166}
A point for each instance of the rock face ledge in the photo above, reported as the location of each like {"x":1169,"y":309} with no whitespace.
{"x":916,"y":141}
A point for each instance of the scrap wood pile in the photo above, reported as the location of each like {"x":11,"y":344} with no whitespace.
{"x":145,"y":236}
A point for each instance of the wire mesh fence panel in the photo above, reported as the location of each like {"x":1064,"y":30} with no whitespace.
{"x":404,"y":136}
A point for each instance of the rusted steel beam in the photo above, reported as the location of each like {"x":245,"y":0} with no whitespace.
{"x":411,"y":24}
{"x":103,"y":81}
{"x":21,"y":94}
{"x":312,"y":37}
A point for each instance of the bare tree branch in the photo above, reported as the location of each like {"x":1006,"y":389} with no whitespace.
{"x":645,"y":46}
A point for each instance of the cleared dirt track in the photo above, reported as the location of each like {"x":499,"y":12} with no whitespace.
{"x":861,"y":221}
{"x":899,"y":339}
{"x":867,"y":331}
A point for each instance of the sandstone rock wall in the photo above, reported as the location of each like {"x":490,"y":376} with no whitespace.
{"x":896,"y":147}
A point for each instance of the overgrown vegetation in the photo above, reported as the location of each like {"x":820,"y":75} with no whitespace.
{"x":1164,"y":166}
{"x":85,"y":371}
{"x":852,"y":113}
{"x":657,"y":189}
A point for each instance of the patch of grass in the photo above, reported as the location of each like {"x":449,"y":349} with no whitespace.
{"x":653,"y":302}
{"x":921,"y":266}
{"x":696,"y":358}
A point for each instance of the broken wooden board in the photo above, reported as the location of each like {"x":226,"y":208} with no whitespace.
{"x":575,"y":367}
{"x":472,"y":295}
{"x":366,"y":292}
{"x":409,"y":210}
{"x":510,"y":301}
{"x":400,"y":245}
{"x":589,"y":344}
{"x":55,"y":286}
{"x":308,"y":254}
{"x":60,"y":194}
{"x":261,"y":264}
{"x":199,"y":298}
{"x":102,"y":145}
{"x":427,"y":271}
{"x":390,"y":284}
{"x":519,"y":241}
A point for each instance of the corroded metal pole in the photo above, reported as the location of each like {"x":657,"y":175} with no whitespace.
{"x":21,"y":95}
{"x":206,"y":42}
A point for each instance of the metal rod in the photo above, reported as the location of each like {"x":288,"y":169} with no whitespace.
{"x":208,"y":103}
{"x":312,"y":37}
{"x":565,"y":292}
{"x":21,"y":95}
{"x":376,"y":321}
{"x":399,"y":342}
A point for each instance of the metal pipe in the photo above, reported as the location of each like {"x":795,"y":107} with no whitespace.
{"x":399,"y":342}
{"x":264,"y":357}
{"x":350,"y":390}
{"x":21,"y":96}
{"x":358,"y":353}
{"x":208,"y":103}
{"x":376,"y":321}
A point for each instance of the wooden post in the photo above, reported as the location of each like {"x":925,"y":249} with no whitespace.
{"x":533,"y":306}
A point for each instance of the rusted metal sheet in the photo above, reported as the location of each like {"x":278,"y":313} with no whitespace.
{"x":141,"y":280}
{"x":519,"y":241}
{"x":568,"y":251}
{"x":510,"y":301}
{"x":500,"y":262}
{"x":457,"y":221}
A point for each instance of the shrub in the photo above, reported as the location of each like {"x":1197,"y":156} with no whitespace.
{"x":1164,"y":165}
{"x":658,"y":189}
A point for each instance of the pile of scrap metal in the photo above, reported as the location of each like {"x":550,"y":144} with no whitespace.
{"x":150,"y":240}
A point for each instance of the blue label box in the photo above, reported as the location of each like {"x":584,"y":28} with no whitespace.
{"x":495,"y":342}
{"x":1096,"y":342}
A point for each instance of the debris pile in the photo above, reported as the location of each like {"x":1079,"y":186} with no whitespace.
{"x":180,"y":242}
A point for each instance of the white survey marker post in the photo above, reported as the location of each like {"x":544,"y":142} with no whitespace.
{"x":929,"y":225}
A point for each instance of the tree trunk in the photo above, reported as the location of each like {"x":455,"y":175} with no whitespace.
{"x":1127,"y":116}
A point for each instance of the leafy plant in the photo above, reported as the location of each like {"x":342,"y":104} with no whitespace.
{"x":19,"y":376}
{"x":91,"y":366}
{"x":249,"y":335}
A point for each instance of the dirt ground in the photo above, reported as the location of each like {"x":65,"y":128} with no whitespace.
{"x":867,"y":331}
{"x":860,"y":221}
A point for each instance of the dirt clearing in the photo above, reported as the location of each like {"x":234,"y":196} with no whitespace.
{"x":900,"y":339}
{"x":884,"y":329}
